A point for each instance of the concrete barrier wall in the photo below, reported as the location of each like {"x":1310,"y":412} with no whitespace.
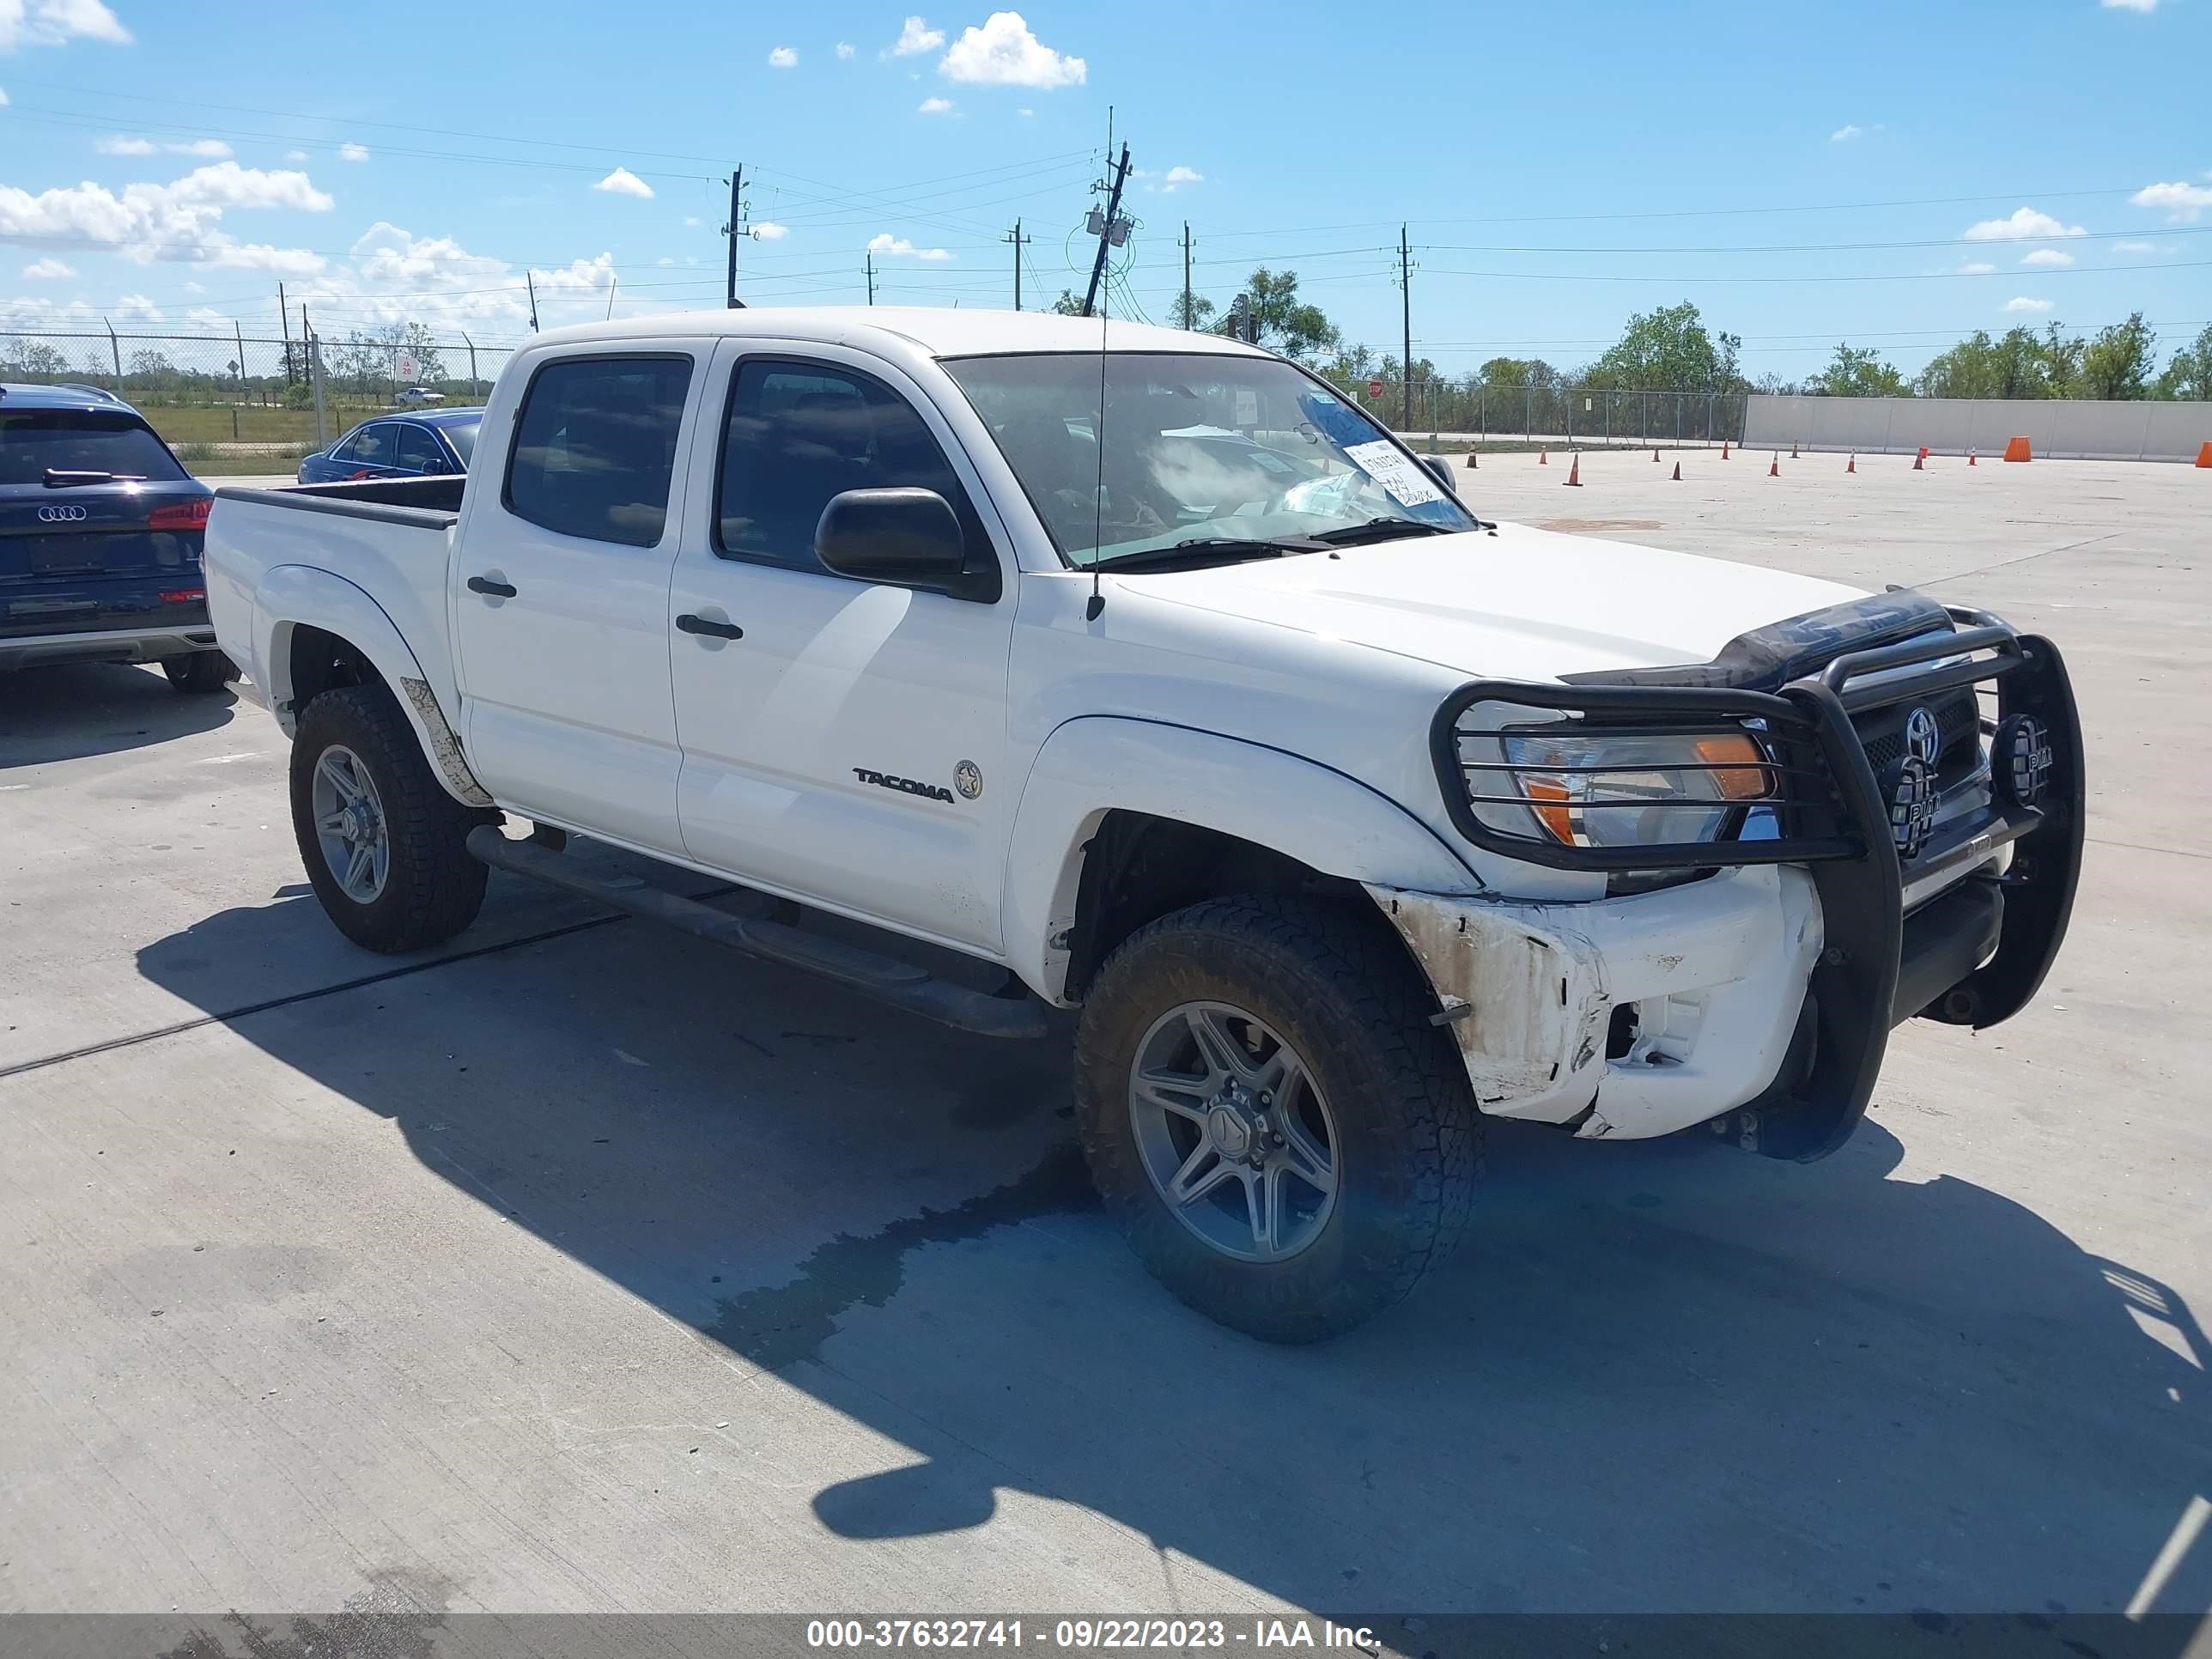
{"x":2062,"y":428}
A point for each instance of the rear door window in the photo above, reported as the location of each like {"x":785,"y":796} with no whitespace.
{"x":35,"y":441}
{"x":419,"y":451}
{"x":595,"y":447}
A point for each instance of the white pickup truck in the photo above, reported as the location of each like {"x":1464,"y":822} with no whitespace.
{"x":1143,"y":669}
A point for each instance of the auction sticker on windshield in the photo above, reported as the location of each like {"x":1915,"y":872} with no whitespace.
{"x":1396,"y":471}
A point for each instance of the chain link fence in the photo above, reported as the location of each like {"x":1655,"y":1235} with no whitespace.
{"x":1558,"y":414}
{"x":238,"y":392}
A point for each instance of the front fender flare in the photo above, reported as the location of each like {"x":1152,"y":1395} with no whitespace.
{"x":1091,"y":765}
{"x":295,"y":595}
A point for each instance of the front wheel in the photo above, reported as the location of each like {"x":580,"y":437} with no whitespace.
{"x":1286,"y":1141}
{"x":383,"y":842}
{"x":197,"y":672}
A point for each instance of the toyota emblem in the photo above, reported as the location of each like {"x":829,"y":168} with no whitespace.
{"x":61,"y":514}
{"x":1924,"y":739}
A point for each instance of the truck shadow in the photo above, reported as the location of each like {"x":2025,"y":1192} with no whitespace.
{"x":75,"y":709}
{"x":1664,"y":1376}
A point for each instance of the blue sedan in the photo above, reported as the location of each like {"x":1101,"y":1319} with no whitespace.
{"x":429,"y":445}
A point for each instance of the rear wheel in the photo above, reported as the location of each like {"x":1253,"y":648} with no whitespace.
{"x":384,"y":844}
{"x":1287,"y":1142}
{"x":199,"y":671}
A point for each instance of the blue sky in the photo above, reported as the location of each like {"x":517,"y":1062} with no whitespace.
{"x":1896,"y":175}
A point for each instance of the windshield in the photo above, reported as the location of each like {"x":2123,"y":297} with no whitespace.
{"x":462,"y":434}
{"x":1199,"y":447}
{"x":34,"y":441}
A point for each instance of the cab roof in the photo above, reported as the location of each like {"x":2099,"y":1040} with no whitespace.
{"x":939,"y":331}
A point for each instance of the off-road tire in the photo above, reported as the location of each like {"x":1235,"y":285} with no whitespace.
{"x":434,"y":888}
{"x":1347,"y":998}
{"x":197,"y":672}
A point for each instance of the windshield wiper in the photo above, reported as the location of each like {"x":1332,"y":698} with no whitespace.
{"x":1379,"y":529}
{"x":1209,"y":550}
{"x":61,"y":477}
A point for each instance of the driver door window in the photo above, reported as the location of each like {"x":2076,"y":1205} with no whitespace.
{"x":418,"y":451}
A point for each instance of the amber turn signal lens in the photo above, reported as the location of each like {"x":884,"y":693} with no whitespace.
{"x":1740,"y":772}
{"x":1553,"y":813}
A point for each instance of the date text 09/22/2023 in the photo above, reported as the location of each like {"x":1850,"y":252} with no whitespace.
{"x":1103,"y":1635}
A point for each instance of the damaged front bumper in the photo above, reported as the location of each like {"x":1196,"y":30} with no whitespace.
{"x":1762,"y":990}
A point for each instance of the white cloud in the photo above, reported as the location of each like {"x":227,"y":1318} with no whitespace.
{"x":2134,"y":247}
{"x":2020,"y":225}
{"x":622,"y":182}
{"x":178,"y":221}
{"x":1025,"y":114}
{"x":783,"y":57}
{"x":936,"y":106}
{"x":691,"y":219}
{"x":46,"y":271}
{"x":884,"y":242}
{"x":2022,"y":302}
{"x":295,"y":156}
{"x":845,"y":48}
{"x":138,"y":309}
{"x":1177,"y":176}
{"x":352,"y":152}
{"x":2048,"y":256}
{"x":1844,"y":134}
{"x":1003,"y":52}
{"x":2182,"y":203}
{"x":2128,"y":5}
{"x":1975,"y":268}
{"x":207,"y":149}
{"x":769,"y":231}
{"x":3,"y":97}
{"x":665,"y":262}
{"x":194,"y":288}
{"x":55,"y":22}
{"x":916,"y":36}
{"x":395,"y":276}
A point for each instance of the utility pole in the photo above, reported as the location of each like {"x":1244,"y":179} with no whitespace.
{"x":531,"y":283}
{"x":1112,"y":231}
{"x":872,"y":277}
{"x":734,"y":230}
{"x":1019,"y":241}
{"x":284,"y":322}
{"x":1405,"y":362}
{"x":1189,"y":321}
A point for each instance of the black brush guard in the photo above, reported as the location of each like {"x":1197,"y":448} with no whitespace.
{"x":1902,"y":936}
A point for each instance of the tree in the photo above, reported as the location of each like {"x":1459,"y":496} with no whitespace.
{"x":1286,"y":323}
{"x":1859,"y":373}
{"x":2190,"y":374}
{"x":417,"y":341}
{"x":2018,"y":365}
{"x":1190,"y":310}
{"x":1518,"y":372}
{"x":1667,"y":349}
{"x":35,"y":360}
{"x":1067,"y":305}
{"x":2062,"y":360}
{"x":2118,"y":363}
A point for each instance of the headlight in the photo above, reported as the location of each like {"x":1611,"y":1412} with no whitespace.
{"x":1631,"y":790}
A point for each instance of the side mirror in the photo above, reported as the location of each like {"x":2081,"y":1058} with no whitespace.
{"x":1440,"y":469}
{"x":910,"y":537}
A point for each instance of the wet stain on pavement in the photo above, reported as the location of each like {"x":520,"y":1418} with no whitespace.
{"x":775,"y":1326}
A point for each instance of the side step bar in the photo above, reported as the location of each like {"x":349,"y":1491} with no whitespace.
{"x":901,"y":984}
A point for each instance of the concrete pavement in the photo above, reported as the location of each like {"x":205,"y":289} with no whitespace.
{"x":584,"y":1267}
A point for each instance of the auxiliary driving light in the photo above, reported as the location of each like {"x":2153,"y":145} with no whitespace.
{"x":1909,"y":785}
{"x":2020,"y":758}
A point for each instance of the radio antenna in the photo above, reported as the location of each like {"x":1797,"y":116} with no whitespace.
{"x":1097,"y":601}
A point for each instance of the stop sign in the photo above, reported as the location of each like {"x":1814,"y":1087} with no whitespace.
{"x":1375,"y":388}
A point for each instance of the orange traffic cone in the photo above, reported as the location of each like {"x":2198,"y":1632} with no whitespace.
{"x":1678,"y":467}
{"x":1919,"y":461}
{"x":1852,"y":465}
{"x":1793,"y":449}
{"x":1473,"y":462}
{"x":2204,"y":456}
{"x":1970,"y":458}
{"x":1543,"y":457}
{"x":2016,"y":449}
{"x":1774,"y":466}
{"x":1575,"y":471}
{"x":1655,"y":457}
{"x":1724,"y":449}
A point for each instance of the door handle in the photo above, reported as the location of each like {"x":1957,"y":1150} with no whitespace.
{"x":720,"y":630}
{"x":496,"y":590}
